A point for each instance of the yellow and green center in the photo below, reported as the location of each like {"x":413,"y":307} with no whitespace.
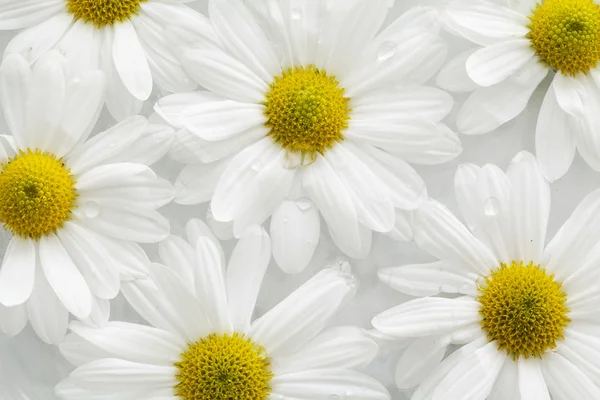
{"x":37,"y":194}
{"x":523,"y":309}
{"x":306,"y":110}
{"x":566,"y":34}
{"x":224,"y":367}
{"x":103,"y":12}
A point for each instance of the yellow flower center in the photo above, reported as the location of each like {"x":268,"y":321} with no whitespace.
{"x":37,"y":194}
{"x":523,"y":309}
{"x":306,"y":110}
{"x":224,"y":367}
{"x":566,"y":34}
{"x":103,"y":12}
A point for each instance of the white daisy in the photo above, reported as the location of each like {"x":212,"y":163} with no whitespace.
{"x":204,"y":343}
{"x":522,"y":41}
{"x":527,"y":314}
{"x":123,"y":37}
{"x":311,"y":110}
{"x":73,"y":205}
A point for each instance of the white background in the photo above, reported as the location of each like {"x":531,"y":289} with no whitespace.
{"x":29,"y":369}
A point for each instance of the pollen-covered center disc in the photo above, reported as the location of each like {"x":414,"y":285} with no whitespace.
{"x":566,"y":34}
{"x":223,"y":367}
{"x":103,"y":12}
{"x":306,"y":110}
{"x":523,"y":309}
{"x":37,"y":194}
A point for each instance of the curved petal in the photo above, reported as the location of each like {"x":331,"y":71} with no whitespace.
{"x":493,"y":64}
{"x":17,"y":274}
{"x":130,"y":61}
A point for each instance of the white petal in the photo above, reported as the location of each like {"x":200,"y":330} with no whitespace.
{"x":211,"y":288}
{"x":409,"y":138}
{"x":426,"y":316}
{"x":570,"y":94}
{"x":507,"y":383}
{"x":13,"y":319}
{"x":373,"y":204}
{"x":474,"y":376}
{"x":244,"y":38}
{"x":429,"y":279}
{"x":531,"y":380}
{"x":17,"y":274}
{"x":420,"y":358}
{"x":405,"y":187}
{"x":554,"y":140}
{"x":565,"y":381}
{"x":224,"y":75}
{"x":106,"y":145}
{"x":339,"y":347}
{"x":18,"y":14}
{"x":15,"y":78}
{"x":155,"y":141}
{"x":130,"y":61}
{"x":488,"y":108}
{"x":49,"y":317}
{"x":119,"y":101}
{"x":92,"y":259}
{"x":35,"y":41}
{"x":250,"y":178}
{"x":81,"y":35}
{"x":178,"y":255}
{"x":327,"y":384}
{"x":454,"y":77}
{"x":430,"y":383}
{"x":333,"y":200}
{"x":530,"y":206}
{"x":112,"y":374}
{"x":189,"y":311}
{"x":133,"y":342}
{"x":84,"y":100}
{"x":45,"y":101}
{"x":581,"y":348}
{"x":437,"y":231}
{"x":484,"y":22}
{"x":304,"y":313}
{"x":245,"y":272}
{"x":196,"y":183}
{"x":124,"y":222}
{"x":465,"y":189}
{"x":64,"y":277}
{"x":221,"y":120}
{"x":129,"y":258}
{"x":495,"y":63}
{"x":428,"y":102}
{"x":295,"y":231}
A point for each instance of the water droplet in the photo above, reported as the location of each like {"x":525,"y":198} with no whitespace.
{"x":304,"y":205}
{"x":491,"y":207}
{"x":334,"y":396}
{"x":256,"y":165}
{"x":91,"y":209}
{"x":386,"y":51}
{"x":285,"y":220}
{"x":296,"y":14}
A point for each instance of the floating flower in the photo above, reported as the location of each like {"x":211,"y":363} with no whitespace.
{"x":203,"y":342}
{"x":125,"y":38}
{"x":72,"y":205}
{"x":526,"y":319}
{"x":522,"y":41}
{"x":310,"y":111}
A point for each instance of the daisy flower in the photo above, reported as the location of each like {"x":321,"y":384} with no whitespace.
{"x":522,"y":41}
{"x":203,"y":342}
{"x":311,"y":110}
{"x":72,"y":205}
{"x":122,"y":37}
{"x":526,"y":320}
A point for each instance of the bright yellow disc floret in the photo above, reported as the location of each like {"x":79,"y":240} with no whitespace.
{"x":103,"y":12}
{"x":566,"y":34}
{"x":306,"y":110}
{"x":37,"y":194}
{"x":523,"y":309}
{"x":224,"y":367}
